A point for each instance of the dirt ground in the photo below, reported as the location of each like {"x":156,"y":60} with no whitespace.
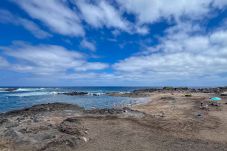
{"x":168,"y":122}
{"x":183,"y":115}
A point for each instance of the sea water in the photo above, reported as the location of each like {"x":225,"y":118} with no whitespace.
{"x":96,"y":98}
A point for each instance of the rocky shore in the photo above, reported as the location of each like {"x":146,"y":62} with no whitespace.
{"x":56,"y":126}
{"x":147,"y":92}
{"x":171,"y":120}
{"x":75,"y":93}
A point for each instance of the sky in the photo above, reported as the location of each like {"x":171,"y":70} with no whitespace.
{"x":113,"y":43}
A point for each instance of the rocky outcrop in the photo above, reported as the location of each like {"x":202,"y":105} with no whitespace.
{"x":45,"y":107}
{"x":148,"y":91}
{"x":72,"y":126}
{"x":51,"y":127}
{"x":9,"y":89}
{"x":75,"y":93}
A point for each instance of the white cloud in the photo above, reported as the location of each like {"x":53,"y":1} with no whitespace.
{"x":219,"y":3}
{"x":89,"y":45}
{"x":7,"y":17}
{"x":3,"y":62}
{"x":92,"y":66}
{"x":64,"y":18}
{"x":179,"y":56}
{"x":54,"y":14}
{"x":101,"y":14}
{"x":150,"y":11}
{"x":49,"y":59}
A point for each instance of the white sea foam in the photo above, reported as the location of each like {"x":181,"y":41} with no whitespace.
{"x":96,"y":93}
{"x":29,"y":89}
{"x":26,"y":94}
{"x":124,"y":92}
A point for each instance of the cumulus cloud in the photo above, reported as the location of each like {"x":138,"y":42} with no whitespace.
{"x":220,"y":3}
{"x":8,"y":17}
{"x":102,"y":14}
{"x":3,"y":62}
{"x":150,"y":11}
{"x":49,"y":59}
{"x":67,"y":19}
{"x":187,"y":50}
{"x":180,"y":55}
{"x":55,"y":14}
{"x":88,"y":45}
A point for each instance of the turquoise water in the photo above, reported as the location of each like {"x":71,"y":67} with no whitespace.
{"x":26,"y":97}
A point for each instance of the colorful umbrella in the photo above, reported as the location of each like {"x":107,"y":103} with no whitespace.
{"x":216,"y":99}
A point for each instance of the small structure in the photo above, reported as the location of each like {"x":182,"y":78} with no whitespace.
{"x":215,"y":101}
{"x":224,"y":94}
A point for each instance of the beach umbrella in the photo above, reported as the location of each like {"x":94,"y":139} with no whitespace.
{"x":216,"y":99}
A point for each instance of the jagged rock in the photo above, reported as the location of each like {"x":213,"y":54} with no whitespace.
{"x":45,"y":107}
{"x":75,"y":93}
{"x":104,"y":111}
{"x":62,"y":143}
{"x":10,"y":89}
{"x":72,"y":126}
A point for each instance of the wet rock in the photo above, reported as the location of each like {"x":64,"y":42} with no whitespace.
{"x":75,"y":93}
{"x":10,"y":89}
{"x":45,"y":107}
{"x":146,"y":92}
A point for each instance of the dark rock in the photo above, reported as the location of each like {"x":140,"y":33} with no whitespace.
{"x":3,"y":120}
{"x":75,"y":93}
{"x":72,"y":126}
{"x":224,"y":94}
{"x":104,"y":111}
{"x":188,"y":95}
{"x":10,"y":89}
{"x":167,"y":98}
{"x":72,"y":119}
{"x":45,"y":107}
{"x":62,"y":143}
{"x":145,"y":92}
{"x":11,"y":134}
{"x":34,"y":130}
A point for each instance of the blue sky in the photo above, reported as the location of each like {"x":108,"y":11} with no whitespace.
{"x":113,"y":43}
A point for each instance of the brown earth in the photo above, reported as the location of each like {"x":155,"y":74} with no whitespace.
{"x":169,"y":121}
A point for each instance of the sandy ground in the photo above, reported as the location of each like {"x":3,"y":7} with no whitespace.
{"x":169,"y":121}
{"x":184,"y":117}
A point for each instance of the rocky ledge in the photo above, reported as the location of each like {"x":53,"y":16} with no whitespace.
{"x":55,"y":126}
{"x":146,"y":92}
{"x":75,"y":93}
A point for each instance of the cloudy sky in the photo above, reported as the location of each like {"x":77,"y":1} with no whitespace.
{"x":113,"y":42}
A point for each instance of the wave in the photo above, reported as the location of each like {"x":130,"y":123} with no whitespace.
{"x":124,"y":92}
{"x":26,"y":94}
{"x":95,"y":93}
{"x":29,"y":89}
{"x":20,"y":89}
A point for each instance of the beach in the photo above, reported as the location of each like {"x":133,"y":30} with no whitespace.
{"x":171,"y":119}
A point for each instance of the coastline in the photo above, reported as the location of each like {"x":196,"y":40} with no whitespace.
{"x":172,"y":116}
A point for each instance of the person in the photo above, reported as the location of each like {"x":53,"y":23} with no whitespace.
{"x":202,"y":106}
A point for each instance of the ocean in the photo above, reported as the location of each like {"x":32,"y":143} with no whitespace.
{"x":22,"y":97}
